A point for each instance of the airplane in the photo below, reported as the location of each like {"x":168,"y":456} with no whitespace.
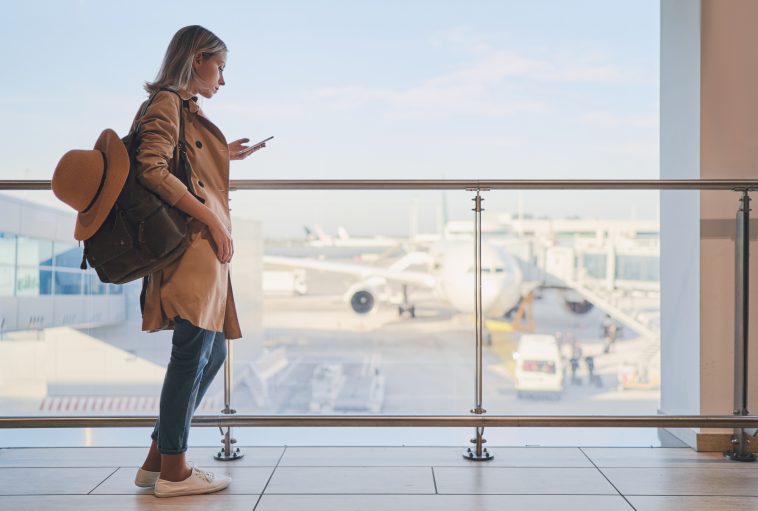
{"x":449,"y":272}
{"x":316,"y":237}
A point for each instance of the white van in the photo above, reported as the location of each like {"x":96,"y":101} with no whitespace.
{"x":539,"y":366}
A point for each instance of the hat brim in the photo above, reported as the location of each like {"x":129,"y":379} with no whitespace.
{"x":117,"y":161}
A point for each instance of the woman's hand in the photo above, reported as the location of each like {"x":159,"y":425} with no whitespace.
{"x":220,"y":234}
{"x":239,"y":151}
{"x":223,"y":240}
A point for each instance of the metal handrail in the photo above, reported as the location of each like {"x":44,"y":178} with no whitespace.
{"x":457,"y":184}
{"x":443,"y":421}
{"x":740,"y":420}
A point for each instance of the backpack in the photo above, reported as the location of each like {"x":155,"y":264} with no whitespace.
{"x":142,"y":233}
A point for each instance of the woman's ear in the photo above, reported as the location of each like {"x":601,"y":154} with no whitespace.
{"x":198,"y":59}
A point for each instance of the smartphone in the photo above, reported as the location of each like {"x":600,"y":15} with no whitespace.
{"x":259,"y":143}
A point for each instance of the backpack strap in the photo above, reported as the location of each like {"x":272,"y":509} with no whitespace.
{"x":182,"y":168}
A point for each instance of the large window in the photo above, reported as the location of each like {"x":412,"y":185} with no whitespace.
{"x":38,"y":267}
{"x":373,"y":310}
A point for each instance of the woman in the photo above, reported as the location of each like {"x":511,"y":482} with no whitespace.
{"x":193,"y":295}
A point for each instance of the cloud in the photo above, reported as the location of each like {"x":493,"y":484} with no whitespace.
{"x":494,"y":82}
{"x":552,"y":66}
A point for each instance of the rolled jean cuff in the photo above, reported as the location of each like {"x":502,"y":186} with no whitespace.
{"x":172,"y":451}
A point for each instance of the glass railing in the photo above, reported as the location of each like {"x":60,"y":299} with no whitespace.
{"x":359,"y":299}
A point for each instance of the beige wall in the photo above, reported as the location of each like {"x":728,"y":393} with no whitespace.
{"x":728,"y":150}
{"x":709,"y":130}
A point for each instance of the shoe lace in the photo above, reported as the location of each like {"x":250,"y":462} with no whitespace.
{"x":208,"y":476}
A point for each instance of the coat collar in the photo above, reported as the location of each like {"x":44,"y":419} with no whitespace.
{"x":193,"y":106}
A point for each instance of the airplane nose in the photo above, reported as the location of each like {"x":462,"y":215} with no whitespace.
{"x":490,"y":293}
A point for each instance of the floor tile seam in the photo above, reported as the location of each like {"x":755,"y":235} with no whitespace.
{"x":101,"y":482}
{"x":625,"y":467}
{"x":355,"y":494}
{"x":326,"y":447}
{"x":85,"y":448}
{"x":458,"y":493}
{"x":147,"y":494}
{"x":719,"y":466}
{"x":720,"y":495}
{"x":268,"y":481}
{"x":680,"y":467}
{"x":434,"y":480}
{"x":77,"y":466}
{"x":35,"y":495}
{"x":488,"y":467}
{"x":592,"y":495}
{"x":608,"y":479}
{"x":32,"y":495}
{"x":546,"y":494}
{"x":231,"y":464}
{"x":150,"y":494}
{"x":721,"y":469}
{"x":136,"y":448}
{"x":475,"y":467}
{"x":293,"y":447}
{"x":215,"y":465}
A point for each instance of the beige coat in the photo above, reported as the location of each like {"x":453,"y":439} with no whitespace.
{"x":196,"y":287}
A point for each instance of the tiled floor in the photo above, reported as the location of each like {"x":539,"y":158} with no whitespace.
{"x":390,"y":478}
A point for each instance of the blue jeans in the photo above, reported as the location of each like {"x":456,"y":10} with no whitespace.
{"x":196,"y":357}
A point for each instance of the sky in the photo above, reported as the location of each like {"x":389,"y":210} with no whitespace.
{"x":506,"y":89}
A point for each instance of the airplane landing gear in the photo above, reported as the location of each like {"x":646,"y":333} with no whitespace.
{"x":410,"y":309}
{"x":405,"y":306}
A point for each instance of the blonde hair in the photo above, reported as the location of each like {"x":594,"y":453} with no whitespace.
{"x":176,"y":70}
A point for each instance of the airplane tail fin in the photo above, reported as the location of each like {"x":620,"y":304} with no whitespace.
{"x":320,"y":233}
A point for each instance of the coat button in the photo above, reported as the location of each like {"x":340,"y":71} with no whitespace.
{"x":199,"y":144}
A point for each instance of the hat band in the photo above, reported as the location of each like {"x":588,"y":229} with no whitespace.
{"x":102,"y":182}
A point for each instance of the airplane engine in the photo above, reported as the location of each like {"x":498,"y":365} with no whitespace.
{"x":363,"y":297}
{"x":579,"y":307}
{"x":362,"y":301}
{"x":576,"y":303}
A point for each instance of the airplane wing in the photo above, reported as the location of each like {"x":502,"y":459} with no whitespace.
{"x":362,"y":271}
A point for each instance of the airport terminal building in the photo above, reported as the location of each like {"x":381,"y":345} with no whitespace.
{"x":41,"y":283}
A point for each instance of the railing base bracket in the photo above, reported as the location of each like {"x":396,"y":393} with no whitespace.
{"x":234,"y":455}
{"x":736,"y":456}
{"x":470,"y":455}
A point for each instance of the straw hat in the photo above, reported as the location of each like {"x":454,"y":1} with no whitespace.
{"x":90,"y":181}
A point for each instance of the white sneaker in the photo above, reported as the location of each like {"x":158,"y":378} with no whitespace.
{"x":145,"y":478}
{"x":198,"y":482}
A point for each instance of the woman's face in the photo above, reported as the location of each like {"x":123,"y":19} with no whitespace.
{"x":209,"y":74}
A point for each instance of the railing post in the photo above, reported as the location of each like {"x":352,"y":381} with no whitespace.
{"x":740,"y":450}
{"x":479,"y":453}
{"x":228,"y":452}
